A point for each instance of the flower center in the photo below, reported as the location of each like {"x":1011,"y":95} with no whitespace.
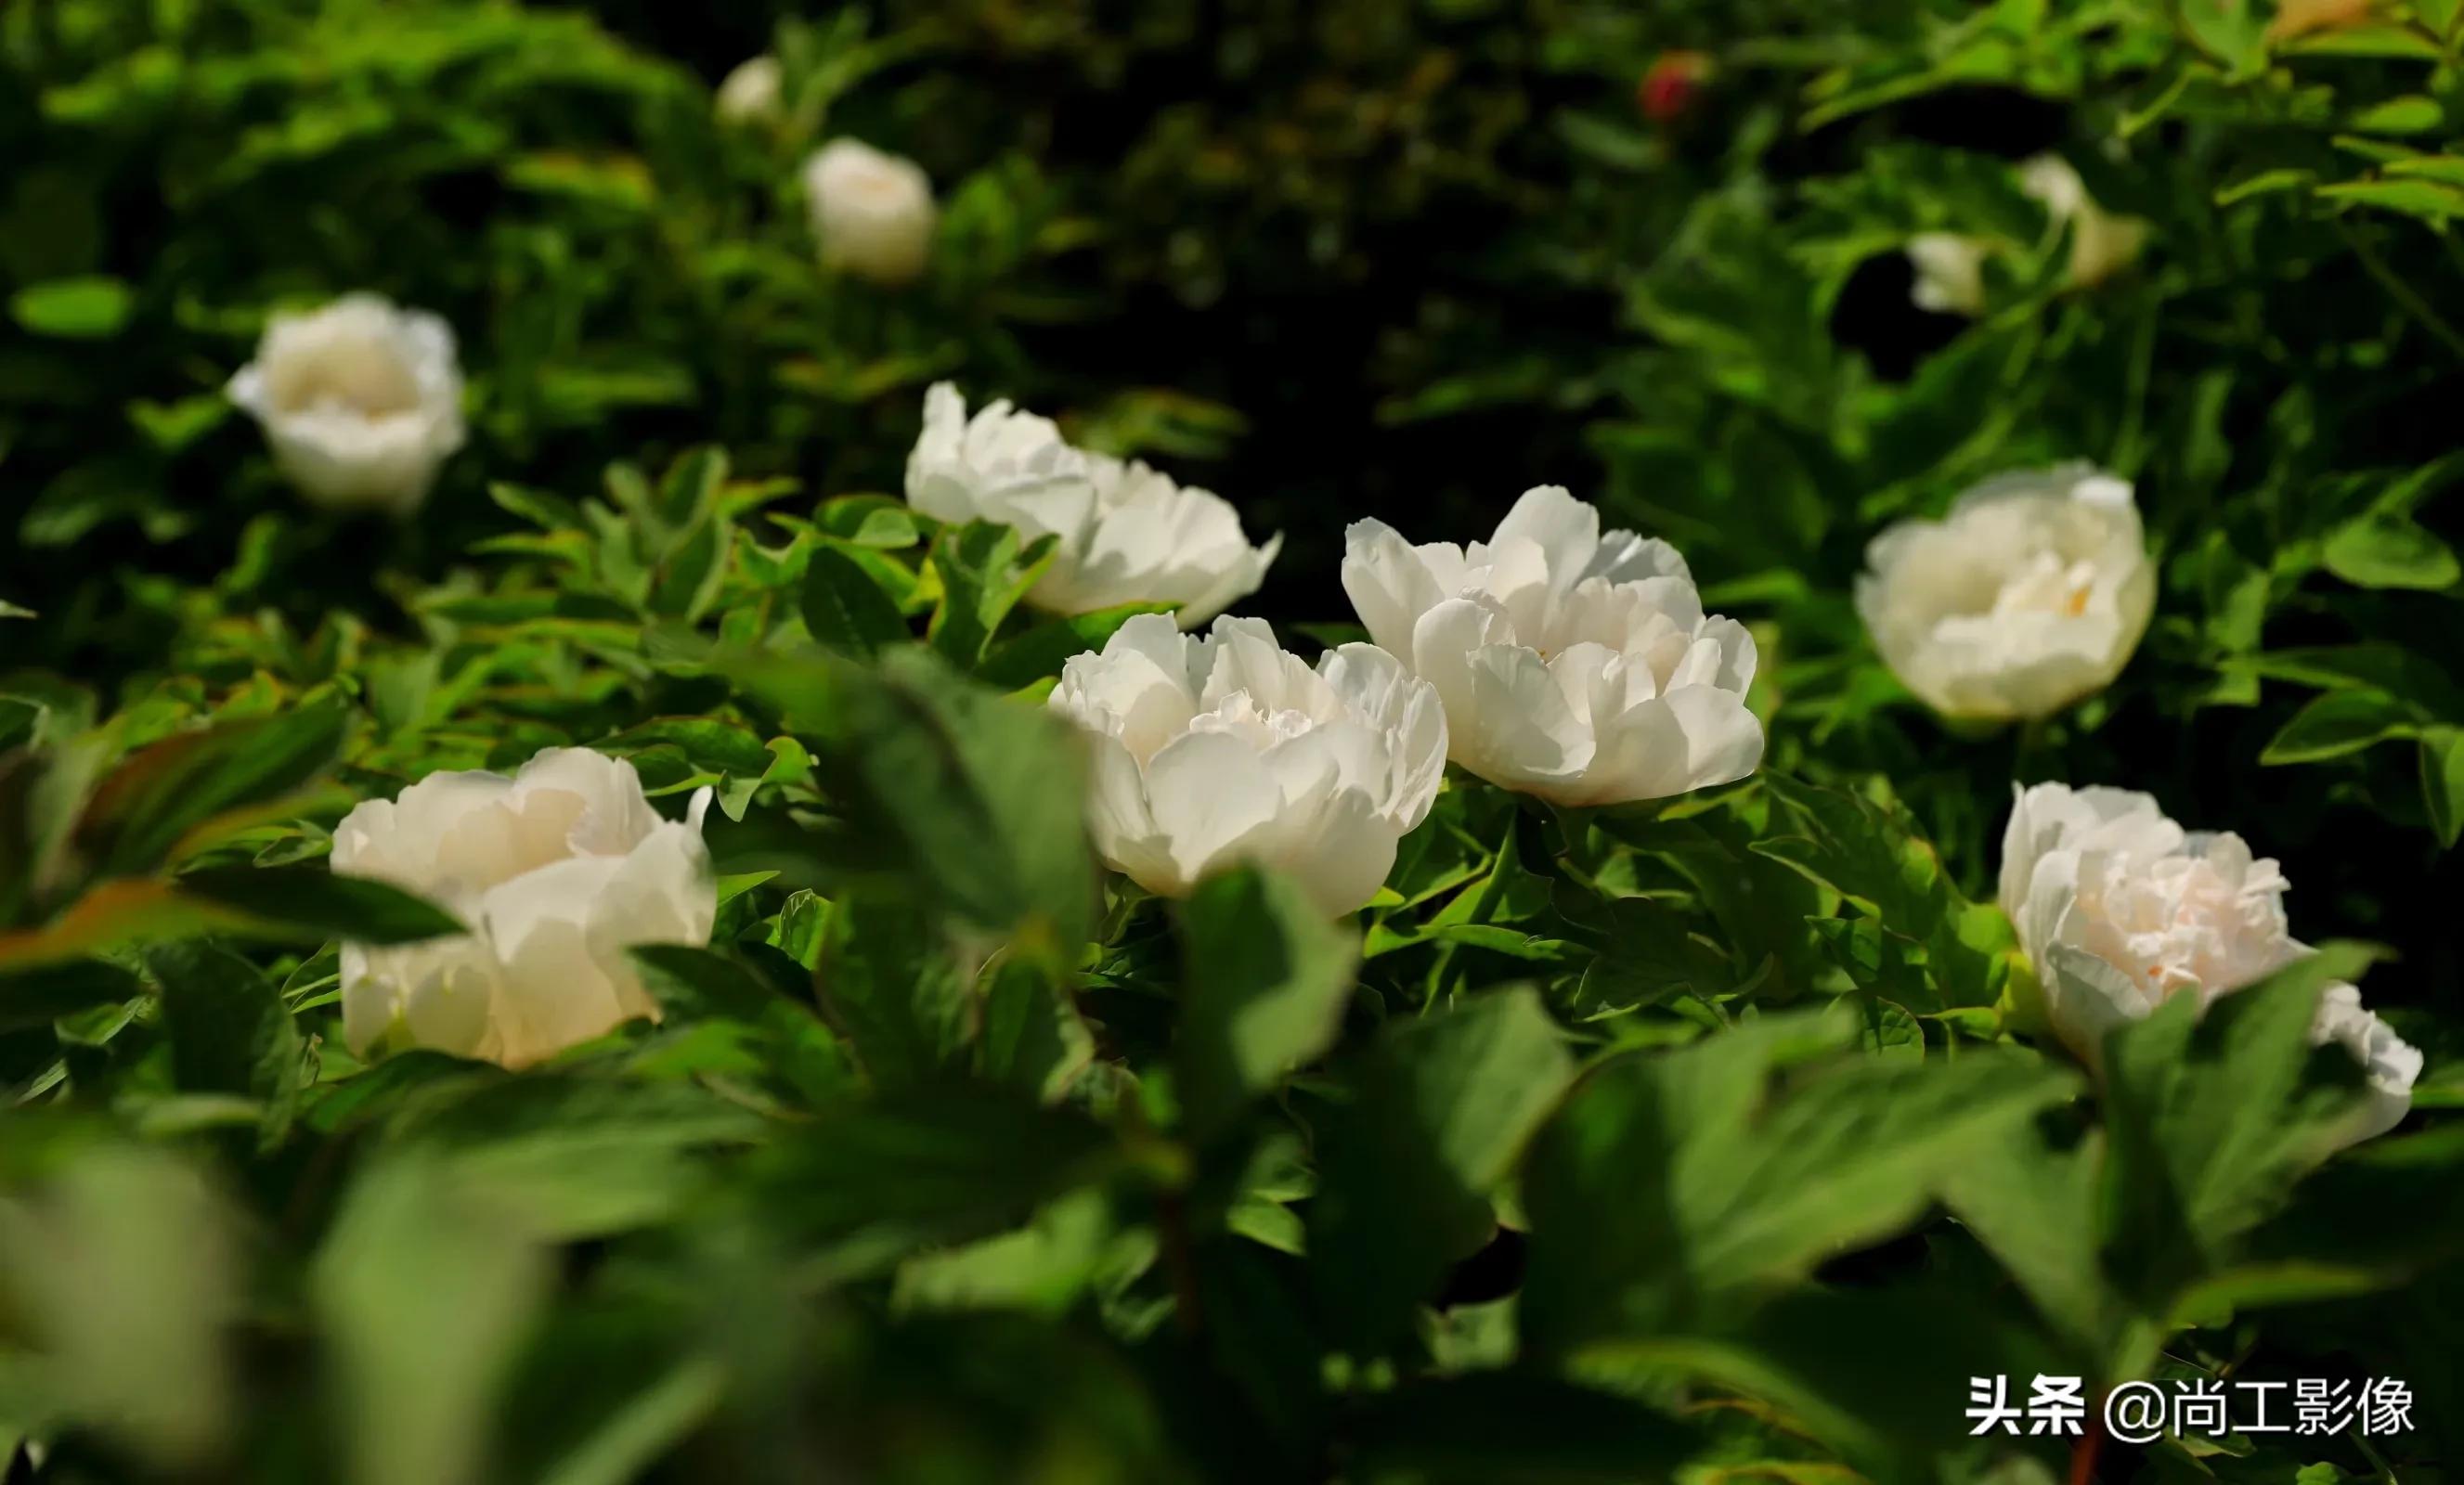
{"x":2046,"y":585}
{"x":365,"y":379}
{"x":1240,"y":717}
{"x":2185,"y":924}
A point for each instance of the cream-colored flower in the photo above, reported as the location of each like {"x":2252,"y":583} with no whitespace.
{"x":752,"y":92}
{"x":557,"y":871}
{"x":1949,"y":272}
{"x":1227,"y":749}
{"x":2101,"y":243}
{"x":1127,"y":533}
{"x":1950,"y":266}
{"x":872,"y":212}
{"x":2031,"y":593}
{"x":1576,"y":664}
{"x":360,"y":401}
{"x":2118,"y":909}
{"x":2389,"y":1064}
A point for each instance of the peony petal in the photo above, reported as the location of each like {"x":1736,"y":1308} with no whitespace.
{"x":2389,"y":1064}
{"x":1340,"y":854}
{"x":1210,"y":797}
{"x":448,"y":998}
{"x":1375,"y":686}
{"x":614,"y":813}
{"x":1507,"y":719}
{"x":1567,"y":531}
{"x":1689,"y":739}
{"x":2085,"y":998}
{"x":552,"y":990}
{"x":1122,"y":824}
{"x":1390,"y":587}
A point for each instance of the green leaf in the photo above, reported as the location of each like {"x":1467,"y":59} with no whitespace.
{"x":2338,"y":723}
{"x":970,"y":801}
{"x":2430,"y":200}
{"x":1678,"y":1188}
{"x":711,"y":747}
{"x":1444,"y":1106}
{"x":894,"y":989}
{"x":424,"y":1291}
{"x":229,"y":1031}
{"x":74,"y":309}
{"x":691,"y":482}
{"x":928,"y":1166}
{"x":2442,"y":781}
{"x":1264,"y":984}
{"x":1651,"y":952}
{"x":2034,"y":1202}
{"x":845,"y":610}
{"x":569,"y":1154}
{"x":2410,"y":113}
{"x":1043,"y":651}
{"x":160,"y":794}
{"x":2386,"y":550}
{"x":689,"y":572}
{"x":2213,"y":1117}
{"x":316,"y":901}
{"x":123,"y":1273}
{"x":702,"y":983}
{"x":1033,"y":1036}
{"x":1872,"y":856}
{"x":1073,"y":1244}
{"x":985,"y":572}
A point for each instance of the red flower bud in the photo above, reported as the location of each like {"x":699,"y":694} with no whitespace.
{"x":1670,"y":87}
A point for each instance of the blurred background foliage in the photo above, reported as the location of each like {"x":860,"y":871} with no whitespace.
{"x":1359,"y":257}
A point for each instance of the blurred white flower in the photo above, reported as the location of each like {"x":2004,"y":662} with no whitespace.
{"x":872,"y":212}
{"x":557,"y":871}
{"x":1128,"y":533}
{"x":2031,"y":593}
{"x":1949,"y":266}
{"x":2389,"y":1063}
{"x":359,"y":401}
{"x":1224,"y":749}
{"x":1950,"y":272}
{"x":751,"y":93}
{"x":2118,"y":909}
{"x":2101,"y":243}
{"x":1574,"y":665}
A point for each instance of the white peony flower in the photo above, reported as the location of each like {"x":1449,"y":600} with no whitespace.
{"x":359,"y":401}
{"x":872,"y":212}
{"x":1128,"y":533}
{"x":1574,"y":665}
{"x":1224,"y":749}
{"x":2031,"y":593}
{"x":752,"y":92}
{"x":2118,"y":909}
{"x":1950,"y":272}
{"x":2389,"y":1063}
{"x":2101,"y":243}
{"x":1949,"y":266}
{"x":557,"y":871}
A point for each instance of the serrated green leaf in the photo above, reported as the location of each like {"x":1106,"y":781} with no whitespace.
{"x":1266,"y":980}
{"x":845,"y":609}
{"x":1446,"y":1105}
